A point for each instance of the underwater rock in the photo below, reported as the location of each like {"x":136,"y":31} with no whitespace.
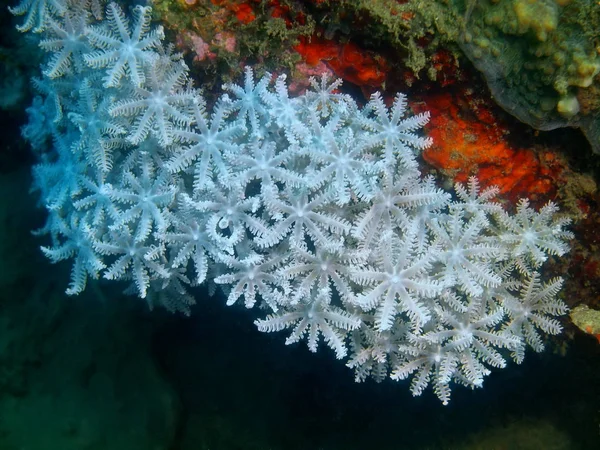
{"x":587,"y":320}
{"x":540,"y":60}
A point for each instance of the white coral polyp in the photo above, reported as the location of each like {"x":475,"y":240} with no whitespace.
{"x":310,"y":207}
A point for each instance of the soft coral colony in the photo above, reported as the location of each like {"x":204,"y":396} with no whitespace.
{"x":310,"y":208}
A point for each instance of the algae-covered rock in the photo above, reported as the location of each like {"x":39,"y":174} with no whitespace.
{"x":540,"y":58}
{"x":587,"y":320}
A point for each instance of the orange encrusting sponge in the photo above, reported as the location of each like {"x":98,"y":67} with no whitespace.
{"x":478,"y":146}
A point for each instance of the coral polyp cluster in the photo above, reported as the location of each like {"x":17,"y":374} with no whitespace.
{"x":310,"y":208}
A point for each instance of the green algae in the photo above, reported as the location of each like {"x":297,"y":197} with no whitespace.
{"x":266,"y":42}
